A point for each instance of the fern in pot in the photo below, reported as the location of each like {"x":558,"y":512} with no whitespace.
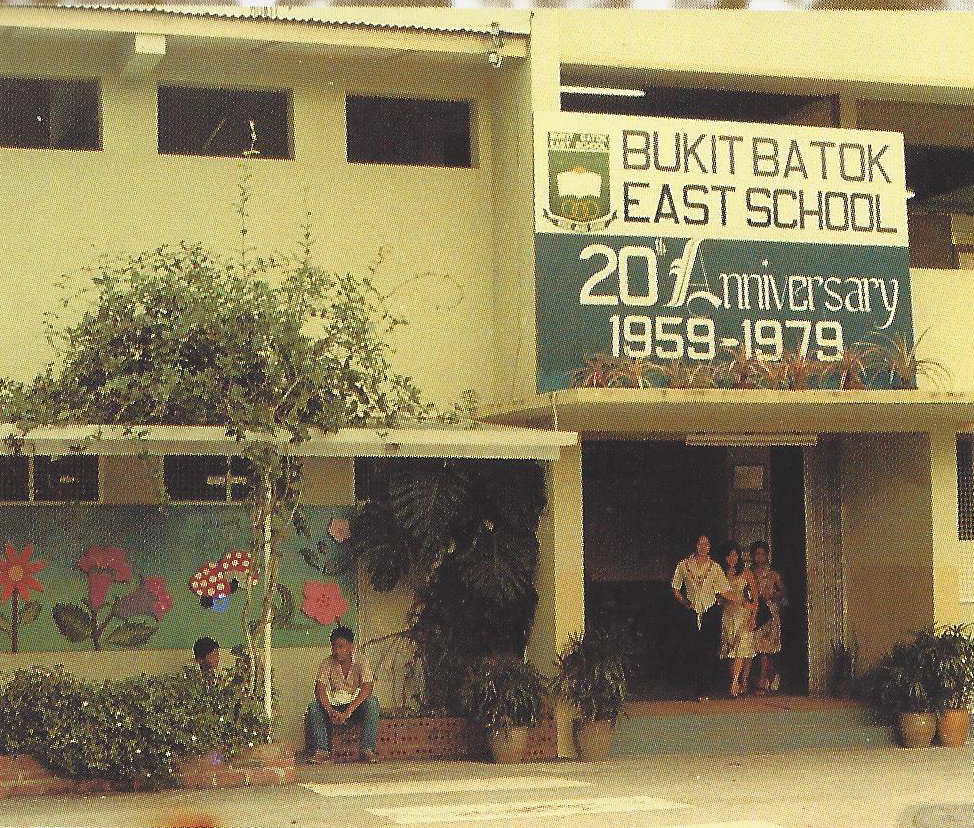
{"x":953,"y":675}
{"x":506,"y":697}
{"x":591,"y":676}
{"x":901,"y":689}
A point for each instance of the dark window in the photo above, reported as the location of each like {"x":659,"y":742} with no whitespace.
{"x":965,"y":488}
{"x":408,"y":131}
{"x":49,"y":114}
{"x":206,"y":478}
{"x":218,"y":122}
{"x":59,"y":479}
{"x":14,"y":479}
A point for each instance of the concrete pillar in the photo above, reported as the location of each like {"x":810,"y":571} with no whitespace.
{"x":946,"y":546}
{"x":560,"y":576}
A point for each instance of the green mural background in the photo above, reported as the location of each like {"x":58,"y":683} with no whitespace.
{"x":171,"y":541}
{"x":568,"y":330}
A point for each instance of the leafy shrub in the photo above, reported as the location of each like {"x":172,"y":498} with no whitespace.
{"x":591,"y":674}
{"x":127,"y":730}
{"x":504,"y":694}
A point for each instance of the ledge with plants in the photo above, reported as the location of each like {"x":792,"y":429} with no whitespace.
{"x":889,"y":362}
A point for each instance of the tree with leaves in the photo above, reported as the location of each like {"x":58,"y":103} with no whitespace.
{"x":267,"y":347}
{"x":463,"y":535}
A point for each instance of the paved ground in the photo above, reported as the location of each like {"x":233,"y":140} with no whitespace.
{"x":873,"y":788}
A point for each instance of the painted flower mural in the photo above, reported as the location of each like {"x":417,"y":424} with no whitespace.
{"x":17,"y":579}
{"x":340,"y":529}
{"x":104,"y":567}
{"x":323,"y":602}
{"x":214,"y":582}
{"x":152,"y":598}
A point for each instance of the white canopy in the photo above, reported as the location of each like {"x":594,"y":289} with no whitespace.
{"x":436,"y":440}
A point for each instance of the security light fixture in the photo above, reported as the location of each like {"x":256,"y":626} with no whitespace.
{"x":752,"y":439}
{"x":607,"y":91}
{"x":494,"y":56}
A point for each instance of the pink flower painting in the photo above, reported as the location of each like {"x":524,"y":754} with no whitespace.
{"x":323,"y":602}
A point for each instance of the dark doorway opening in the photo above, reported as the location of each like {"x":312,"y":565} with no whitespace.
{"x":645,"y":504}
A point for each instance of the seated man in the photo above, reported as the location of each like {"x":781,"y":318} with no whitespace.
{"x":207,"y":654}
{"x":343,"y":692}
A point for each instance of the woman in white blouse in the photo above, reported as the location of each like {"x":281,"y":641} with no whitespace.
{"x":702,"y":579}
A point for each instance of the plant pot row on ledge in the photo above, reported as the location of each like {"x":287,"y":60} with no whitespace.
{"x":925,"y":687}
{"x":891,"y":362}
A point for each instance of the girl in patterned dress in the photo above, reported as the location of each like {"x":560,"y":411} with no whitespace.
{"x":767,"y":637}
{"x":737,"y":622}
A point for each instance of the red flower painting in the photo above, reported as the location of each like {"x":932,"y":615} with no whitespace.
{"x":104,"y":566}
{"x":151,"y":598}
{"x":323,"y":602}
{"x":17,"y":579}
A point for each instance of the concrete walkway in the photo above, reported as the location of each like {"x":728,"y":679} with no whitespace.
{"x":874,"y":788}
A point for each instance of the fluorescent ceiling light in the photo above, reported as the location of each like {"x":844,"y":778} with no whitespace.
{"x":752,"y":439}
{"x":598,"y":90}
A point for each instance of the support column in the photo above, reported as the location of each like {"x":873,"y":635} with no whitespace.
{"x":946,"y":546}
{"x":560,"y":576}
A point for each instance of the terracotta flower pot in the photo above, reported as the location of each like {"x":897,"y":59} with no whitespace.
{"x":917,"y":729}
{"x":593,"y":739}
{"x":953,"y":726}
{"x":507,"y":746}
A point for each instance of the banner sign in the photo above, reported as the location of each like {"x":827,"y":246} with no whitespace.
{"x":670,"y":239}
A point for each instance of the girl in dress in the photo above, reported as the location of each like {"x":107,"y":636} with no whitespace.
{"x":737,"y":622}
{"x":767,"y":637}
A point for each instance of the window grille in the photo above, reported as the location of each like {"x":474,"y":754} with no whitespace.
{"x":206,"y":478}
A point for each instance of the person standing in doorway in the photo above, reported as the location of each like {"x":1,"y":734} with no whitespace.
{"x":737,"y":619}
{"x":772,"y":598}
{"x":697,"y":582}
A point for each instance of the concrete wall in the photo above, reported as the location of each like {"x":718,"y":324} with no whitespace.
{"x":63,"y":209}
{"x":887,"y":538}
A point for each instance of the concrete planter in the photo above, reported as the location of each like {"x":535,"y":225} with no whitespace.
{"x":507,"y":746}
{"x":952,"y":727}
{"x":593,"y":739}
{"x":917,"y":729}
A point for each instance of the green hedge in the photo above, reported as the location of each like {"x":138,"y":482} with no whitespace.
{"x":132,"y":730}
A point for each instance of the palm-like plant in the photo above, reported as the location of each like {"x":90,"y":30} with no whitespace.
{"x":681,"y":373}
{"x":591,"y":675}
{"x":742,"y":369}
{"x":953,"y":667}
{"x":631,"y":372}
{"x":504,"y":693}
{"x":850,"y":367}
{"x":773,"y":374}
{"x":801,"y":371}
{"x":896,"y":355}
{"x":594,"y":373}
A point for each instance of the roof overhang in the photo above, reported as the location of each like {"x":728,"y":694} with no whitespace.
{"x":672,"y":411}
{"x":485,"y":442}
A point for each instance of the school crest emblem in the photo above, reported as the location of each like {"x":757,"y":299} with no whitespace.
{"x":579,"y":195}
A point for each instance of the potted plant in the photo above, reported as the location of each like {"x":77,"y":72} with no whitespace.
{"x":953,"y":673}
{"x":506,"y":697}
{"x":591,"y":676}
{"x":900,"y":688}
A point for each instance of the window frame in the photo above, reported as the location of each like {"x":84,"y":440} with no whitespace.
{"x":473,"y":131}
{"x":287,"y":92}
{"x":32,"y":477}
{"x":229,"y":501}
{"x":95,"y":82}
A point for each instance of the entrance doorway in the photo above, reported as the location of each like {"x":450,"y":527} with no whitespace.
{"x":645,"y":502}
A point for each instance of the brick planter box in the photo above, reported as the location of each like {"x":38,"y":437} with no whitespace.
{"x":265,"y":765}
{"x":437,"y":737}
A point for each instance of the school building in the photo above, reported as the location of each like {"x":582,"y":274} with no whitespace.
{"x":557,"y":189}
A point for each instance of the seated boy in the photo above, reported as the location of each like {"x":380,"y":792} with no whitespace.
{"x":343,"y":691}
{"x":207,"y":654}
